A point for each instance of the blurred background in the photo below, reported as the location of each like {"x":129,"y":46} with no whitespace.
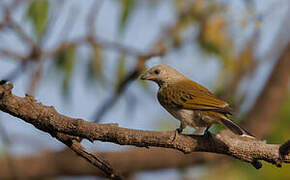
{"x":84,"y":58}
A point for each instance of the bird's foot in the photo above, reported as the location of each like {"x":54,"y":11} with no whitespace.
{"x":207,"y":133}
{"x":177,"y":131}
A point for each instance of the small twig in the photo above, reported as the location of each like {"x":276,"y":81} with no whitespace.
{"x":92,"y":158}
{"x":93,"y":14}
{"x":110,"y":45}
{"x":12,"y":55}
{"x":18,"y":29}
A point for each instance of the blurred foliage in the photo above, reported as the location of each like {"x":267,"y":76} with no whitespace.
{"x":65,"y":61}
{"x":213,"y":37}
{"x":127,"y":8}
{"x":95,"y":66}
{"x":231,"y":74}
{"x":121,"y":70}
{"x":281,"y":131}
{"x":37,"y":13}
{"x":190,"y":14}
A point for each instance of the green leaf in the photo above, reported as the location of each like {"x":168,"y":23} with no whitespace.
{"x":121,"y":70}
{"x":127,"y":8}
{"x":65,"y":61}
{"x":209,"y":47}
{"x":96,"y":65}
{"x":37,"y":12}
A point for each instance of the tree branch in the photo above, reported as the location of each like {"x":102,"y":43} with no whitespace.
{"x":49,"y":120}
{"x":25,"y":109}
{"x":94,"y":159}
{"x":131,"y":161}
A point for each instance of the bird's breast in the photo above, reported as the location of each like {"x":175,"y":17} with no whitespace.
{"x":167,"y":98}
{"x":183,"y":114}
{"x":191,"y":118}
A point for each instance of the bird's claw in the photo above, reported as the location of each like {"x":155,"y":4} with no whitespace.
{"x":177,"y":131}
{"x":207,"y":134}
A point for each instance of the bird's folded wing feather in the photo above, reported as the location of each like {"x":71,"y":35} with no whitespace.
{"x":190,"y":95}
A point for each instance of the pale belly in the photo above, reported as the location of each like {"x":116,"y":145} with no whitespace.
{"x":192,"y":118}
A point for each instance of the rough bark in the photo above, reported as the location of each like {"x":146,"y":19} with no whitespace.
{"x":47,"y":119}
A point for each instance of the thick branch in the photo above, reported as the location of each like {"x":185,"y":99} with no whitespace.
{"x":66,"y":163}
{"x":25,"y":108}
{"x":49,"y":120}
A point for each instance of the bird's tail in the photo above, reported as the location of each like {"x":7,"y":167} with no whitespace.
{"x":235,"y":128}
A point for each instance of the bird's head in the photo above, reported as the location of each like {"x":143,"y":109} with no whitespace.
{"x":162,"y":75}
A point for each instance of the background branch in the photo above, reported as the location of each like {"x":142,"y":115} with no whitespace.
{"x":63,"y":163}
{"x":269,"y":102}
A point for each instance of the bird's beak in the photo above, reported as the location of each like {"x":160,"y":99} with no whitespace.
{"x":145,"y":76}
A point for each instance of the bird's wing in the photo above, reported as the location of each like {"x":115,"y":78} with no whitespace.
{"x":190,"y":95}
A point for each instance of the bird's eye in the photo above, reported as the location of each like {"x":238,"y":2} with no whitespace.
{"x":157,"y":71}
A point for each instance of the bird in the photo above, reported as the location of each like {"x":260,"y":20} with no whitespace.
{"x":191,"y":103}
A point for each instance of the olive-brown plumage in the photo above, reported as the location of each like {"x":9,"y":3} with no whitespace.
{"x":189,"y":102}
